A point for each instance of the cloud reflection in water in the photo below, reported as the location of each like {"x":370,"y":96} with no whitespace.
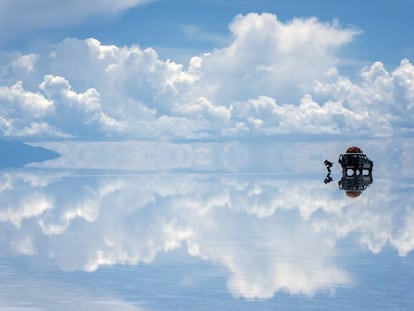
{"x":274,"y":233}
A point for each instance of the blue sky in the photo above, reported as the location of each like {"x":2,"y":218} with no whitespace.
{"x":385,"y":25}
{"x":205,"y":69}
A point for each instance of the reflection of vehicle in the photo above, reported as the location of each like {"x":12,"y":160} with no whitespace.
{"x":354,"y":184}
{"x":356,"y":161}
{"x":356,"y":171}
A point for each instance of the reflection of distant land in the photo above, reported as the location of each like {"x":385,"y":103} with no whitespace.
{"x":17,"y":154}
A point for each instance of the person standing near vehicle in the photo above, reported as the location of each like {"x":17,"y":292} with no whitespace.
{"x":328,"y":165}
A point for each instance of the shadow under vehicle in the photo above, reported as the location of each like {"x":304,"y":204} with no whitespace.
{"x":356,"y":171}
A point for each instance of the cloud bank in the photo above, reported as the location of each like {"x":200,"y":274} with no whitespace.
{"x":273,"y":78}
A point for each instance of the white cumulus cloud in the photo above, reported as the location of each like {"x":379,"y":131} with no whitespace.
{"x":272,"y":58}
{"x":274,"y":78}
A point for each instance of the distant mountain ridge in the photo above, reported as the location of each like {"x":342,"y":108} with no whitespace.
{"x":18,"y":154}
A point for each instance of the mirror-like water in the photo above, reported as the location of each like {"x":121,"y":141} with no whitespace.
{"x":233,"y":226}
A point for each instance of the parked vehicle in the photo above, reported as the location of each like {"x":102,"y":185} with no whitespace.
{"x":354,"y":161}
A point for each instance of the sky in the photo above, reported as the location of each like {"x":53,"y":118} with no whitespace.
{"x":113,"y":85}
{"x":203,"y":70}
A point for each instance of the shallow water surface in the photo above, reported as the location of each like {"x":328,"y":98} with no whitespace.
{"x":232,"y":226}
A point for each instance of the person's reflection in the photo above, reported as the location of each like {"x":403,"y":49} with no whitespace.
{"x":328,"y":178}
